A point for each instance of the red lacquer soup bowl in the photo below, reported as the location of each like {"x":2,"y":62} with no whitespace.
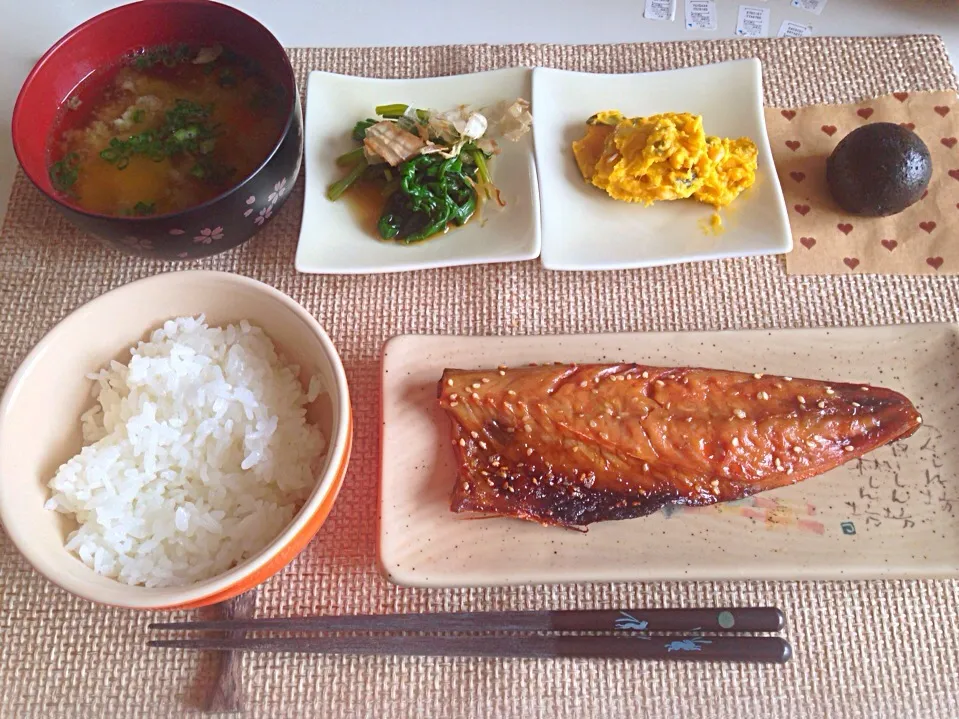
{"x":218,"y":224}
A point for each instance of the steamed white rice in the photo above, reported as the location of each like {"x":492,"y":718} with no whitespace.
{"x":198,"y":455}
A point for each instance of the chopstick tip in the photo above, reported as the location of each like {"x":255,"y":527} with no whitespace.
{"x":787,"y":652}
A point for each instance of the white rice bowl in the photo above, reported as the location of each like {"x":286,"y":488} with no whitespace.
{"x":198,"y":455}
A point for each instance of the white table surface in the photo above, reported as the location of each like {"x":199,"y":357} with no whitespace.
{"x":31,"y":26}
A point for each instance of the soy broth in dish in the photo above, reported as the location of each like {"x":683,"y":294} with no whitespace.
{"x":164,"y":130}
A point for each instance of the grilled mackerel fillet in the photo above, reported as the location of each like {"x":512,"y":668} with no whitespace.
{"x":574,"y":444}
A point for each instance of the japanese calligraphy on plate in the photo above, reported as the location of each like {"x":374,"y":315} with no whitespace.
{"x":891,"y":514}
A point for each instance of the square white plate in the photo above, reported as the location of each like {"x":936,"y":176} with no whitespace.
{"x":894,"y":513}
{"x":585,"y":229}
{"x":332,"y":238}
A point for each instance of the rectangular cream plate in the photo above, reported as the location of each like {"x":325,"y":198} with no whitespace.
{"x":892,"y":514}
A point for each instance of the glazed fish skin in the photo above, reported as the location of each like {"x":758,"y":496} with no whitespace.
{"x":575,"y":444}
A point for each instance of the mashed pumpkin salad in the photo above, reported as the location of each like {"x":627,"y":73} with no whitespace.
{"x":664,"y":157}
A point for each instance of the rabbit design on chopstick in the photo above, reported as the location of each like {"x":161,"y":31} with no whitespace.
{"x":691,"y":644}
{"x":627,"y":621}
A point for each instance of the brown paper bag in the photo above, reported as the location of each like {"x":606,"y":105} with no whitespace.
{"x":921,"y":240}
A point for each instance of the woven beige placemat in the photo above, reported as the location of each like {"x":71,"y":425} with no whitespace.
{"x":869,"y":649}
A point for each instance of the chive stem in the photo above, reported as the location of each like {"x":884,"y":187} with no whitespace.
{"x":337,"y":189}
{"x":349,"y":158}
{"x":481,"y":168}
{"x":395,"y":110}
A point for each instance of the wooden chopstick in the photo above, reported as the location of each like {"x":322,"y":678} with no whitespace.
{"x":719,"y":619}
{"x":663,"y":647}
{"x":226,"y":692}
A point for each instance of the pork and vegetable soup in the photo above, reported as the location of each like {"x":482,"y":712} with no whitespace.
{"x":168,"y":128}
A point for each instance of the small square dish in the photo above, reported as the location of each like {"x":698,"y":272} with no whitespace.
{"x":336,"y":237}
{"x":585,"y":229}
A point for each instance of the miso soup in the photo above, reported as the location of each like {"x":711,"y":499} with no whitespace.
{"x":168,"y":128}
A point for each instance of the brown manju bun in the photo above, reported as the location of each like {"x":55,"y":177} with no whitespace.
{"x":878,"y":169}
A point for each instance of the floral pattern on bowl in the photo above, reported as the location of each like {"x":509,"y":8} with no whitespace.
{"x":208,"y":235}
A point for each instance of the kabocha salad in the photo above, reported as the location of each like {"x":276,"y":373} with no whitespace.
{"x":431,"y":167}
